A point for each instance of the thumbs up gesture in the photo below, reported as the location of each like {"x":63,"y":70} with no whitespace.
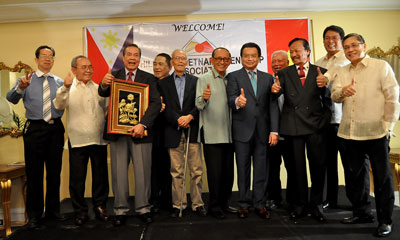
{"x":207,"y":92}
{"x":321,"y":79}
{"x":276,"y":87}
{"x":68,"y":80}
{"x":107,"y":80}
{"x":350,"y":89}
{"x":241,"y":102}
{"x":25,"y":81}
{"x":162,"y":104}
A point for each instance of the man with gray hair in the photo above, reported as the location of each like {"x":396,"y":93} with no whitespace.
{"x":85,"y":123}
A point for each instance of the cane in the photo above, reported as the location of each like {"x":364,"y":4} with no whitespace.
{"x":184,"y":174}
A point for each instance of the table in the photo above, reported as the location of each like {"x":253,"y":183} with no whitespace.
{"x":394,"y":157}
{"x":8,"y":173}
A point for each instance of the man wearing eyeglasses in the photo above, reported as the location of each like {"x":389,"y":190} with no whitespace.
{"x":182,"y":122}
{"x":85,"y":123}
{"x":136,"y":147}
{"x":43,"y":136}
{"x":369,"y":92}
{"x":215,"y":132}
{"x":255,"y":123}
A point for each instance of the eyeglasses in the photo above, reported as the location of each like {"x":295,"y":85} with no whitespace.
{"x":222,"y":59}
{"x":180,"y":58}
{"x":353,"y":45}
{"x":47,"y":57}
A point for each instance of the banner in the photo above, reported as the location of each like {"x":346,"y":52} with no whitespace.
{"x":198,"y":39}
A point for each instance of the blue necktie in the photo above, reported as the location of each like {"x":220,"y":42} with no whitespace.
{"x":180,"y":92}
{"x":253,"y":82}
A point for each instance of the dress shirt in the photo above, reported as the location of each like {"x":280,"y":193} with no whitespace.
{"x":305,"y":69}
{"x":372,"y":112}
{"x":86,"y":112}
{"x":332,"y":64}
{"x":180,"y":86}
{"x":32,"y":95}
{"x":133,"y":74}
{"x":215,"y":114}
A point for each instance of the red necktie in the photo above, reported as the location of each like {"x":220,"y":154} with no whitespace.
{"x":302,"y":75}
{"x":130,"y":76}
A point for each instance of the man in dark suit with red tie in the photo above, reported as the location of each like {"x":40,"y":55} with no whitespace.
{"x":136,"y":147}
{"x":305,"y":116}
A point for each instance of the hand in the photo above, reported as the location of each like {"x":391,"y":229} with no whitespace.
{"x":207,"y":92}
{"x":162,"y":104}
{"x":107,"y":80}
{"x":137,"y":131}
{"x":241,"y":102}
{"x":68,"y":80}
{"x":349,"y":90}
{"x":276,"y":87}
{"x":25,"y":81}
{"x":273,"y":139}
{"x":184,"y":121}
{"x":321,"y":79}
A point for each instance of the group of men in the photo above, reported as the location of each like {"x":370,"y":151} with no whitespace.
{"x":258,"y":116}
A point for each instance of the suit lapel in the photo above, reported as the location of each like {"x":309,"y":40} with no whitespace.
{"x":260,"y":83}
{"x":294,"y":77}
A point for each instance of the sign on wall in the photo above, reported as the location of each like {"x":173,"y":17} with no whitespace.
{"x":104,"y":43}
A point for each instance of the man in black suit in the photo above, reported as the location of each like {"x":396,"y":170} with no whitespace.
{"x":179,"y":93}
{"x":138,"y":146}
{"x":305,"y":116}
{"x":255,"y":117}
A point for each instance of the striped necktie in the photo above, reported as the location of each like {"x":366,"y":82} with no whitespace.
{"x":46,"y":100}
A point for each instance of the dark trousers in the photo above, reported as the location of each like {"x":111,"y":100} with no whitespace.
{"x":43,"y":144}
{"x":334,"y":145}
{"x":219,"y":162}
{"x":78,"y":161}
{"x":377,"y":151}
{"x":255,"y":149}
{"x":275,"y":154}
{"x":315,"y":144}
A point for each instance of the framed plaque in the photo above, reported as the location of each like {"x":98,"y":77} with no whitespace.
{"x":128,"y":103}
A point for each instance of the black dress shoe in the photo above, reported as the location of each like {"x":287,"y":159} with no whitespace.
{"x":201,"y":211}
{"x":243,"y":212}
{"x":330,"y":205}
{"x":146,"y":217}
{"x":317,"y":215}
{"x":357,"y":220}
{"x":119,"y":220}
{"x":81,"y":219}
{"x":383,"y":230}
{"x":231,"y":209}
{"x":218,"y":214}
{"x":175,"y":212}
{"x":263,"y":213}
{"x":101,"y":214}
{"x":33,"y":223}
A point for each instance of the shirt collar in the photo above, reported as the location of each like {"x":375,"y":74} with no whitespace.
{"x":216,"y":74}
{"x":306,"y":66}
{"x":254,"y":71}
{"x":76,"y":82}
{"x":40,"y":73}
{"x":363,"y":62}
{"x":176,"y":76}
{"x":127,"y":71}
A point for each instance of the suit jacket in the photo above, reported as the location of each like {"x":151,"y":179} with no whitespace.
{"x":173,"y":110}
{"x":261,"y":111}
{"x":152,"y":111}
{"x":306,"y":109}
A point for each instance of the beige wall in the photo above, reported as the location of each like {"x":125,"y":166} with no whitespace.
{"x":19,"y":40}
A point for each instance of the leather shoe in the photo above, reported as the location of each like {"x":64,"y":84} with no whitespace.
{"x":175,"y":212}
{"x":201,"y":211}
{"x":330,"y":205}
{"x":263,"y":213}
{"x":101,"y":214}
{"x":383,"y":230}
{"x":146,"y":217}
{"x":317,"y":215}
{"x":243,"y":212}
{"x":119,"y":220}
{"x":33,"y":223}
{"x":357,"y":220}
{"x":218,"y":214}
{"x":230,"y":209}
{"x":81,"y":219}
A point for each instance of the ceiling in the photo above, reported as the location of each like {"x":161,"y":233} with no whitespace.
{"x":47,"y":10}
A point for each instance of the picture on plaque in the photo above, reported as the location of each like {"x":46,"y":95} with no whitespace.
{"x":128,"y":103}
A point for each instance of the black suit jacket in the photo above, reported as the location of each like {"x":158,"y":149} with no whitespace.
{"x":154,"y":103}
{"x":306,"y":109}
{"x":261,"y":111}
{"x":173,"y":109}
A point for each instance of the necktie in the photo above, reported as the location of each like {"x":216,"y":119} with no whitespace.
{"x":180,"y":92}
{"x":253,"y":82}
{"x":302,"y":75}
{"x":130,"y":76}
{"x":46,"y":100}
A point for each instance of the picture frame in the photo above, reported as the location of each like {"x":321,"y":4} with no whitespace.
{"x":128,"y":103}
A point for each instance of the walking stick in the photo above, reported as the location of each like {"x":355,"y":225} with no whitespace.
{"x":184,"y":174}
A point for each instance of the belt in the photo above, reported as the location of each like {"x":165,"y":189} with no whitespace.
{"x":50,"y":122}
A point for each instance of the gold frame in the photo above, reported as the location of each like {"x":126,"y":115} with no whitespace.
{"x":123,"y":113}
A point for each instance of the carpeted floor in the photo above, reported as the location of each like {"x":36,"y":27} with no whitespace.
{"x":193,"y":227}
